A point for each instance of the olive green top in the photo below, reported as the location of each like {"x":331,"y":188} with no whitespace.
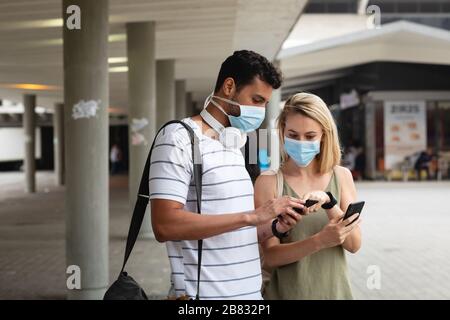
{"x":322,"y":275}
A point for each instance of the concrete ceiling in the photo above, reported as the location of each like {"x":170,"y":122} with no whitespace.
{"x":317,"y":27}
{"x":397,"y":42}
{"x":199,"y":34}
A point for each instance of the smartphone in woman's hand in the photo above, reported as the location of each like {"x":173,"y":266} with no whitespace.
{"x":353,"y":208}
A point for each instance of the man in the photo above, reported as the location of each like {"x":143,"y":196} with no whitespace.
{"x":423,"y":163}
{"x":115,"y":157}
{"x":229,"y":224}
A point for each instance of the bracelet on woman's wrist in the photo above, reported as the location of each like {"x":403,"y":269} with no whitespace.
{"x":331,"y":203}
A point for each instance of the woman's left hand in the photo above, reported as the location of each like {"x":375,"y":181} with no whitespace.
{"x":318,"y":195}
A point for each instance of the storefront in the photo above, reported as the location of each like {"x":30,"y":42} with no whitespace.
{"x":402,"y":124}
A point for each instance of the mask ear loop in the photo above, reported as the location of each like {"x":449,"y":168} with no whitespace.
{"x":227,"y":100}
{"x":230,"y":130}
{"x":218,"y":106}
{"x":207,"y":100}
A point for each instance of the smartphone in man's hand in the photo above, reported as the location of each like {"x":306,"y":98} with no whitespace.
{"x":308,"y":203}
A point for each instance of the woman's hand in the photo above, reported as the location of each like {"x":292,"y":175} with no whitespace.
{"x":318,"y":195}
{"x":336,"y":231}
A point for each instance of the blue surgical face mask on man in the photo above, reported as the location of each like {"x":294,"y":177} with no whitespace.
{"x":250,"y":117}
{"x":302,"y":152}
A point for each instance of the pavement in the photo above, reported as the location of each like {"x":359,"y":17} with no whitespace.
{"x":405,"y":252}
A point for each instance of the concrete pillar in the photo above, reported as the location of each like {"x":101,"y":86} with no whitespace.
{"x":86,"y":94}
{"x":165,"y":88}
{"x":142,"y":109}
{"x":58,"y":143}
{"x":29,"y":126}
{"x":189,"y":105}
{"x":370,"y":139}
{"x":196,"y":107}
{"x":180,"y":99}
{"x":272,"y":112}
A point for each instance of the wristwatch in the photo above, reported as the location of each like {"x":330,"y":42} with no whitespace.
{"x":275,"y":232}
{"x":330,"y":204}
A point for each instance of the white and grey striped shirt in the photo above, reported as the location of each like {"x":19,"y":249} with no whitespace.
{"x":230,"y":261}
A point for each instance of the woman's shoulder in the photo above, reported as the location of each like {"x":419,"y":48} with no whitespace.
{"x":343,"y":173}
{"x":268,"y":176}
{"x":266,"y":181}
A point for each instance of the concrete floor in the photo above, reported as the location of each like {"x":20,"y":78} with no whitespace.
{"x":406,"y":237}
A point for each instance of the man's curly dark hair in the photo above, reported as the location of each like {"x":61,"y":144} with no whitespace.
{"x":243,"y":66}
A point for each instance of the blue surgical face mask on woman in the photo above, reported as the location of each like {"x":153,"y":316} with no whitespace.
{"x":302,"y":152}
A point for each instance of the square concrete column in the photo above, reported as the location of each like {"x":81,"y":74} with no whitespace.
{"x":165,"y":91}
{"x":180,"y":99}
{"x":29,"y":126}
{"x":189,"y":104}
{"x":86,"y":102}
{"x":370,"y":139}
{"x":142,"y":106}
{"x":58,"y":143}
{"x":272,"y":112}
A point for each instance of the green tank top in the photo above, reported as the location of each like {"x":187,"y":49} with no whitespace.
{"x":322,"y":275}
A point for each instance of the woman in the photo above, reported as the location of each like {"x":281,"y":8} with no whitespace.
{"x":309,"y":262}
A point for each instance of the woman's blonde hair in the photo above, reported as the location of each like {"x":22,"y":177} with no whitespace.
{"x":313,"y":107}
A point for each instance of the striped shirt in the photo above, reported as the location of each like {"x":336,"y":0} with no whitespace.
{"x":230,"y":261}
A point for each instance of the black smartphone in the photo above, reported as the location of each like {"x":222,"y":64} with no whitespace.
{"x":353,"y":208}
{"x":308,"y":203}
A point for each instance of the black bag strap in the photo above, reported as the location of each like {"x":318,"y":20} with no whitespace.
{"x":143,"y":197}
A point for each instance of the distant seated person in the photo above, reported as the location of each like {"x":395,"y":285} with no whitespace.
{"x":360,"y":164}
{"x":423,"y":164}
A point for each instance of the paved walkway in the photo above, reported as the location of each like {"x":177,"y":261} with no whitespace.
{"x":406,"y":240}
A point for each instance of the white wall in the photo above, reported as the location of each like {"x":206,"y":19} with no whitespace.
{"x":12,"y":145}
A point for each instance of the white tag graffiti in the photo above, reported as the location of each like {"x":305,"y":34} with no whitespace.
{"x":138,"y":139}
{"x":136,"y":126}
{"x":85,"y":109}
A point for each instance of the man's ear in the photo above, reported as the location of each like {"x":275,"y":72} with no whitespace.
{"x":229,"y":87}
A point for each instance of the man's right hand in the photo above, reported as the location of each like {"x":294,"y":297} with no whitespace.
{"x":273,"y":208}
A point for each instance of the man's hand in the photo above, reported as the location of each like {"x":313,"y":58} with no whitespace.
{"x":273,"y":208}
{"x":286,"y":222}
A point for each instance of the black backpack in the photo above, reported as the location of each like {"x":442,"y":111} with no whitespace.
{"x":125,"y":287}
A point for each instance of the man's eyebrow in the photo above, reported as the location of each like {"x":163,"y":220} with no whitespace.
{"x":259,"y":97}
